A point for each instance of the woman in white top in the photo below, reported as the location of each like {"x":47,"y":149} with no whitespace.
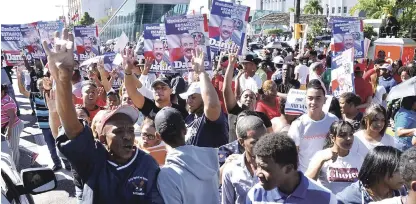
{"x":380,"y":93}
{"x":336,"y":167}
{"x":372,"y":131}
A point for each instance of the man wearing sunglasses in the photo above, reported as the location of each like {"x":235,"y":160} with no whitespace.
{"x":150,"y":143}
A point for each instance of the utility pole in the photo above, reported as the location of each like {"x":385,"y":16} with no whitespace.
{"x":297,"y":11}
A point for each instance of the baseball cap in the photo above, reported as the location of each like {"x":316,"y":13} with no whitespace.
{"x":387,"y":66}
{"x":128,"y":110}
{"x":249,"y":58}
{"x":162,"y":80}
{"x":278,"y":60}
{"x":360,"y":67}
{"x":194,"y":88}
{"x":169,"y":121}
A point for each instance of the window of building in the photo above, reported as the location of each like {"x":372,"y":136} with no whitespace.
{"x":345,"y":9}
{"x":339,"y":9}
{"x":333,"y":9}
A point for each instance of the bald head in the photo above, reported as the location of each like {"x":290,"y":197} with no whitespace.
{"x":248,"y":124}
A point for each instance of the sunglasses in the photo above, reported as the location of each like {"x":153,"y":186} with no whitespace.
{"x":149,"y":136}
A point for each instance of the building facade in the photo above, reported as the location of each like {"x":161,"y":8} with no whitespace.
{"x":96,"y":9}
{"x":333,"y":7}
{"x":133,"y":14}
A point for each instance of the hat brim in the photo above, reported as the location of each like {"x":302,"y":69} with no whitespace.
{"x":155,"y":83}
{"x":187,"y":94}
{"x":128,"y":110}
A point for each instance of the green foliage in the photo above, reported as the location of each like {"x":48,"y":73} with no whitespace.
{"x":292,"y":9}
{"x":273,"y":31}
{"x":313,"y":7}
{"x":314,"y":30}
{"x":369,"y":31}
{"x":86,"y":20}
{"x":404,"y":11}
{"x":102,"y":21}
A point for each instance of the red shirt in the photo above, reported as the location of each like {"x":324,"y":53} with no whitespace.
{"x":271,"y":112}
{"x":367,"y":75}
{"x":363,"y":89}
{"x":397,"y":78}
{"x":218,"y":83}
{"x":100,"y":102}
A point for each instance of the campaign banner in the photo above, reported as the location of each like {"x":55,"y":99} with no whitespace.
{"x":342,"y":73}
{"x":108,"y":61}
{"x":227,"y":26}
{"x":31,"y":42}
{"x":296,"y":102}
{"x":156,"y":47}
{"x":47,"y":31}
{"x":86,"y":41}
{"x":349,"y":34}
{"x":10,"y":44}
{"x":184,"y":34}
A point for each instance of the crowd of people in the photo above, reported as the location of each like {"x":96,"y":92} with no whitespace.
{"x":222,"y":137}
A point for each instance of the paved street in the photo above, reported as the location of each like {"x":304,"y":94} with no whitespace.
{"x":32,"y":141}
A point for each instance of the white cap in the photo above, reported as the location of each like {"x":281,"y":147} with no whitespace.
{"x":278,"y":60}
{"x":387,"y":66}
{"x":194,"y":88}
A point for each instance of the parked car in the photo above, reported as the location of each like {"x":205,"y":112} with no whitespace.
{"x":19,"y":188}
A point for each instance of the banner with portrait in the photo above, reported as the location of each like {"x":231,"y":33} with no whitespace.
{"x":47,"y":31}
{"x":184,"y":34}
{"x":31,"y":43}
{"x":10,"y":44}
{"x":227,"y":26}
{"x":349,"y":34}
{"x":156,"y":47}
{"x":86,"y":41}
{"x":342,"y":73}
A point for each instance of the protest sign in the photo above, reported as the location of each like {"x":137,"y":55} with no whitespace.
{"x":121,"y":42}
{"x":47,"y":31}
{"x":349,"y":34}
{"x":10,"y":44}
{"x":86,"y":41}
{"x":342,"y":73}
{"x":227,"y":26}
{"x":184,"y":34}
{"x":155,"y":47}
{"x":296,"y":102}
{"x":31,"y":43}
{"x":108,"y":61}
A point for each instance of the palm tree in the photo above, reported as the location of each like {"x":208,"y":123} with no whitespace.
{"x":313,"y":7}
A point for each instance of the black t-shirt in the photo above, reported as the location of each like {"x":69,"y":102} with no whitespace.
{"x":356,"y":121}
{"x":150,"y":109}
{"x":34,"y":76}
{"x":232,"y":117}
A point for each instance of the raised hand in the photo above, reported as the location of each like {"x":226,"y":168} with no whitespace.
{"x":51,"y":101}
{"x":128,"y":61}
{"x":100,"y":65}
{"x":61,"y":60}
{"x":232,"y":59}
{"x":198,"y":60}
{"x":147,"y":65}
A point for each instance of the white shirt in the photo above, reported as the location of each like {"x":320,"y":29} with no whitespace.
{"x":253,"y":83}
{"x":303,"y":72}
{"x":378,"y":96}
{"x":394,"y":200}
{"x":77,"y":89}
{"x":362,"y":146}
{"x":336,"y":176}
{"x":237,"y":181}
{"x":309,"y":136}
{"x":146,"y":88}
{"x":26,"y":74}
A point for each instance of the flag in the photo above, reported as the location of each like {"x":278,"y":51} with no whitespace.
{"x":75,"y":16}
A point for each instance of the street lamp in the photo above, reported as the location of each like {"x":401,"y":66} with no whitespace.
{"x":63,"y":12}
{"x":200,"y":9}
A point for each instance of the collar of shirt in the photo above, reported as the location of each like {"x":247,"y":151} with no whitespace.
{"x":300,"y":191}
{"x":126,"y":165}
{"x":240,"y":162}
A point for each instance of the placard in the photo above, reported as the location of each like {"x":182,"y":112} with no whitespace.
{"x":349,"y":34}
{"x":86,"y":41}
{"x":156,"y":47}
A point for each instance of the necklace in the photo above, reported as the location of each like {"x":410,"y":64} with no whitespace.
{"x":376,"y":197}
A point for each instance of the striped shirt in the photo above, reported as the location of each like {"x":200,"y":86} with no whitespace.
{"x":42,"y":112}
{"x":308,"y":191}
{"x":8,"y":103}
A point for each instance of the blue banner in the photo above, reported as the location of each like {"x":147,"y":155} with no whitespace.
{"x":227,"y":26}
{"x":184,"y":34}
{"x":31,"y":42}
{"x":10,"y":44}
{"x":86,"y":41}
{"x":156,"y":47}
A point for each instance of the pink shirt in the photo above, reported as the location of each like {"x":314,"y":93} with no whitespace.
{"x":8,"y":103}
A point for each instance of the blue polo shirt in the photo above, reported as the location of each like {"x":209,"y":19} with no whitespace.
{"x":388,"y":82}
{"x":202,"y":132}
{"x":105,"y":181}
{"x":308,"y":191}
{"x":405,"y":119}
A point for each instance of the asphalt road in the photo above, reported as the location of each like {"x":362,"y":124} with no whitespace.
{"x":31,"y":140}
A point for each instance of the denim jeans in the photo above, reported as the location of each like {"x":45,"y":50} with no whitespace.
{"x":50,"y":142}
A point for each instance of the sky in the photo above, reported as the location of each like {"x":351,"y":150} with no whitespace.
{"x":27,"y":11}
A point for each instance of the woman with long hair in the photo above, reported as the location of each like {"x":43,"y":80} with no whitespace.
{"x":11,"y":125}
{"x":336,"y":167}
{"x":269,"y":103}
{"x":379,"y":178}
{"x":349,"y":102}
{"x":380,"y":93}
{"x":372,"y":130}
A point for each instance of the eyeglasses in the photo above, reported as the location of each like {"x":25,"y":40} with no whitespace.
{"x":149,"y":136}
